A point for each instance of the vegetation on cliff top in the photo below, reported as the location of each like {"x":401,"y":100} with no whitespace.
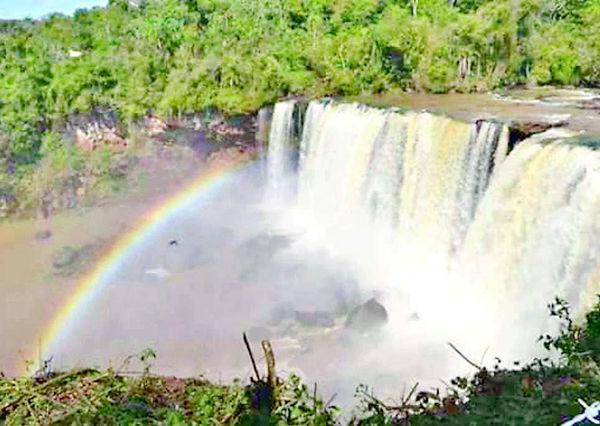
{"x":173,"y":56}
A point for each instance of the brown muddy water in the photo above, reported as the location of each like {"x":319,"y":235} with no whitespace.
{"x":33,"y":290}
{"x":576,"y":110}
{"x":43,"y":260}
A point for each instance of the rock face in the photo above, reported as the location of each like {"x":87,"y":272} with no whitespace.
{"x":155,"y":125}
{"x":96,"y":129}
{"x":367,"y":317}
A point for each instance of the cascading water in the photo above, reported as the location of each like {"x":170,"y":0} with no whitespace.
{"x":537,"y":230}
{"x":478,"y":239}
{"x":420,"y":173}
{"x":280,"y":137}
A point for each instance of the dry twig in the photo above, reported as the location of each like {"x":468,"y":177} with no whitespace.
{"x":251,"y":356}
{"x":464,"y":357}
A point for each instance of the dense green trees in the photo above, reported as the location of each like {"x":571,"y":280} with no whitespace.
{"x":173,"y":56}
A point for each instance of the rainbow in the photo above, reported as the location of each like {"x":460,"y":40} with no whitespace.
{"x":206,"y":183}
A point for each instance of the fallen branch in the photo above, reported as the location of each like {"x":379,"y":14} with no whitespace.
{"x":251,"y":356}
{"x":412,"y":391}
{"x":464,"y":357}
{"x":270,"y":358}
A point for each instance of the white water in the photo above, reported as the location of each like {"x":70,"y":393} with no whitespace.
{"x":419,"y":173}
{"x":437,"y":219}
{"x":278,"y":160}
{"x":537,"y":233}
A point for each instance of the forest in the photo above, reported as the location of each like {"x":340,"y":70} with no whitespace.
{"x":169,"y":57}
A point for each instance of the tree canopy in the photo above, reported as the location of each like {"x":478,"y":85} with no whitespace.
{"x":175,"y":56}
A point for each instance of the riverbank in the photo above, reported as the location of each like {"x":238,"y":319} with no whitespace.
{"x":95,"y":158}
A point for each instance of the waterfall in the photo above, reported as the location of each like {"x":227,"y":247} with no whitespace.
{"x":508,"y":231}
{"x":280,"y":147}
{"x":263,"y":120}
{"x":538,"y":226}
{"x":420,"y":173}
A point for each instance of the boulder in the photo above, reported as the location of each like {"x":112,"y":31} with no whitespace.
{"x":65,"y":257}
{"x":367,"y":317}
{"x":43,"y":235}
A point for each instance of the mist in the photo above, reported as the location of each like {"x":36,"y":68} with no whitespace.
{"x":239,"y":260}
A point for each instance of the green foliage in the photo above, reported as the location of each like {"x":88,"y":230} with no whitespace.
{"x":116,"y":397}
{"x":177,"y":56}
{"x":578,"y":344}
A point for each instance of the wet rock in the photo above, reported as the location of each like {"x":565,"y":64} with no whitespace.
{"x":367,"y":317}
{"x":314,"y":319}
{"x":43,"y":235}
{"x":265,"y":246}
{"x":521,"y":130}
{"x":69,"y":260}
{"x":66,"y":256}
{"x":532,"y":127}
{"x":257,"y":251}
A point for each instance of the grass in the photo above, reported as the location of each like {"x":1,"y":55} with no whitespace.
{"x":529,"y":396}
{"x":541,"y":393}
{"x":118,"y":397}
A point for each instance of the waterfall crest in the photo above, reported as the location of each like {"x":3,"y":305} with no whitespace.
{"x":279,"y":163}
